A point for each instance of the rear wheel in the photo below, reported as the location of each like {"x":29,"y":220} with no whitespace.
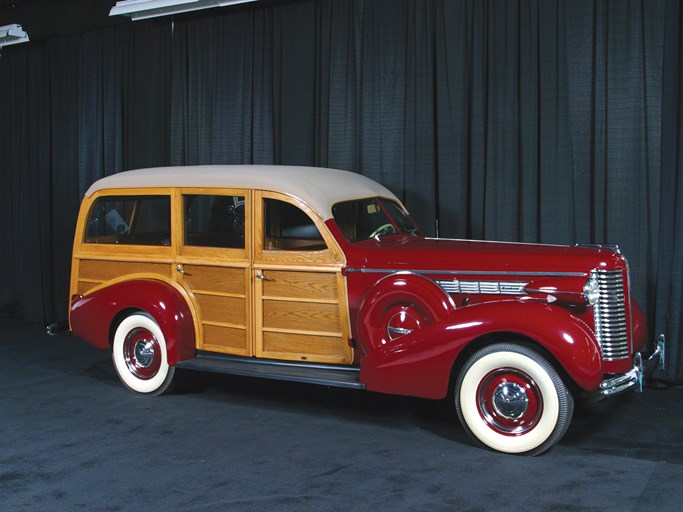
{"x":511,"y":399}
{"x":140,"y":356}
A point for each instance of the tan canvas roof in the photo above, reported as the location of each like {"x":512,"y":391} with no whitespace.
{"x":319,"y":188}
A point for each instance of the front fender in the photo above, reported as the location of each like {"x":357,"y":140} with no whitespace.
{"x":91,"y":315}
{"x":420,"y":295}
{"x":420,"y":363}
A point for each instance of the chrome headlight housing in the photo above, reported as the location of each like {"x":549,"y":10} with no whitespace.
{"x":591,"y":291}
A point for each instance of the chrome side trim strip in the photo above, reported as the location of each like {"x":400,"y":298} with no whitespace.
{"x":467,"y":272}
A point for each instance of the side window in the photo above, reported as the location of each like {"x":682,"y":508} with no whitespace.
{"x":214,"y":221}
{"x":133,"y":220}
{"x":290,"y":229}
{"x":359,"y":219}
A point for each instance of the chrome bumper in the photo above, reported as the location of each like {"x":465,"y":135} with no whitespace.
{"x":642,"y":368}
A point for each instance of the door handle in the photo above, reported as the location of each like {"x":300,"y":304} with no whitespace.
{"x":263,"y":277}
{"x":179,"y":268}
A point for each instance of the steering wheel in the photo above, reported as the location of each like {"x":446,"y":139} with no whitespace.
{"x":384,"y":229}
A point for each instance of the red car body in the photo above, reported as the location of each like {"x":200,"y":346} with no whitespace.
{"x":517,"y":331}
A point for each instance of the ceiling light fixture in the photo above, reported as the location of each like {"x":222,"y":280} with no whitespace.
{"x":142,"y":9}
{"x":12,"y":34}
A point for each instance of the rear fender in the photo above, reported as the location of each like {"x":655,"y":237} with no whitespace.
{"x":92,"y":314}
{"x":420,"y":363}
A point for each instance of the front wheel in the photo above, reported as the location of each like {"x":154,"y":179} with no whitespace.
{"x":140,"y":357}
{"x":511,"y":399}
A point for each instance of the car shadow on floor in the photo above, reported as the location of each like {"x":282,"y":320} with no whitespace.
{"x":645,"y":426}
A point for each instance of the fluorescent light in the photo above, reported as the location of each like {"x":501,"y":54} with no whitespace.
{"x":141,"y":9}
{"x":12,"y":34}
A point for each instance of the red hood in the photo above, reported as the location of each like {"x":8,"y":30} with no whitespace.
{"x":419,"y":253}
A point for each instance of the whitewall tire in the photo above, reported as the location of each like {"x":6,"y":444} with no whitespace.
{"x":511,"y":399}
{"x":140,"y":356}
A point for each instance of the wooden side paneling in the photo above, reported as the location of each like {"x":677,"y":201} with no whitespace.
{"x":315,"y":287}
{"x":222,"y":280}
{"x":105,"y":270}
{"x":225,"y":310}
{"x":322,"y":349}
{"x":92,"y":273}
{"x":222,"y":297}
{"x":225,"y":339}
{"x":301,"y":316}
{"x":298,"y":316}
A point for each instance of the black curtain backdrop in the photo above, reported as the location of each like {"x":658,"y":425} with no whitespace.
{"x":540,"y":121}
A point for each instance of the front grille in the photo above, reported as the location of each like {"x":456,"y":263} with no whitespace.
{"x":611,"y":328}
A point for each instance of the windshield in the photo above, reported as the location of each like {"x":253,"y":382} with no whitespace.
{"x":361,"y":219}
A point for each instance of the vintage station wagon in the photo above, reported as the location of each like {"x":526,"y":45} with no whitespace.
{"x":322,"y":276}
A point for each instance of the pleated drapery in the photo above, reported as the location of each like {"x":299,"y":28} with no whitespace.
{"x":524,"y":120}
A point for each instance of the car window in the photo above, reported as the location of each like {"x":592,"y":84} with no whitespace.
{"x":133,"y":220}
{"x":367,"y":218}
{"x":289,"y":228}
{"x":214,"y":221}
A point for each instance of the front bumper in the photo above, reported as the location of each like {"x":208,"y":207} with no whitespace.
{"x":642,"y":368}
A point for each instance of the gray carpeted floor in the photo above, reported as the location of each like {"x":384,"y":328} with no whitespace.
{"x":72,"y":438}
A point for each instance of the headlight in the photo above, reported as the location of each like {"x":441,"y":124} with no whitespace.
{"x":591,"y":291}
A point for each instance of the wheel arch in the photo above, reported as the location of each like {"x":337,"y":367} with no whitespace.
{"x":96,"y":315}
{"x":493,"y":338}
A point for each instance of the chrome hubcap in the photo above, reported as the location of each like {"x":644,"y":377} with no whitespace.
{"x":144,"y":353}
{"x":510,"y":400}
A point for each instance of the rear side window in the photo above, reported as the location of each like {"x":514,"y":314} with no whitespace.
{"x":214,"y":221}
{"x":132,"y":220}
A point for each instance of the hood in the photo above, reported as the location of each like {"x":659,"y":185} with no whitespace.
{"x":405,"y":252}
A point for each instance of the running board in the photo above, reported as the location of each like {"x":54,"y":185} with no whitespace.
{"x":323,"y":374}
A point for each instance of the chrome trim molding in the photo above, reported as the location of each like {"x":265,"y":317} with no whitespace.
{"x":466,"y":272}
{"x":610,"y":247}
{"x":484,"y":287}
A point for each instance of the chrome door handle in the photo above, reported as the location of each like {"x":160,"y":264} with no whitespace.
{"x":263,"y":277}
{"x":179,"y":268}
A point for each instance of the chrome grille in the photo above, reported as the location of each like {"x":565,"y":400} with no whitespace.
{"x":611,"y":328}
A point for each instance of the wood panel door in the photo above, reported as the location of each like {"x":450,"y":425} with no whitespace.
{"x":213,"y":265}
{"x":300,"y":300}
{"x":299,"y":316}
{"x":221,"y":297}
